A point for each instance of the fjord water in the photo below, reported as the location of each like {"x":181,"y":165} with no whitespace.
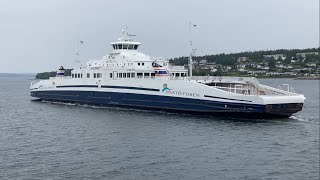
{"x":42,"y":140}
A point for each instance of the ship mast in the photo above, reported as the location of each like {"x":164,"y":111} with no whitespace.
{"x":192,"y":51}
{"x":77,"y":54}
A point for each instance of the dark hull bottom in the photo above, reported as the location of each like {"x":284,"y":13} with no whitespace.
{"x":170,"y":104}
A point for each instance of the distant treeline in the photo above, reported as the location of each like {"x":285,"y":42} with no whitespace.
{"x":223,"y":59}
{"x":231,"y":59}
{"x":46,"y":75}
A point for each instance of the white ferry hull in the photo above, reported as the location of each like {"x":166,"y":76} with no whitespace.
{"x":155,"y":99}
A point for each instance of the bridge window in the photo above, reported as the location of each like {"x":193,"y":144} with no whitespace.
{"x":130,"y":46}
{"x":99,"y":75}
{"x":125,"y":46}
{"x":146,"y":74}
{"x":81,"y":75}
{"x":72,"y":75}
{"x":94,"y":75}
{"x":120,"y":75}
{"x":135,"y":47}
{"x":142,"y":64}
{"x":132,"y":75}
{"x":124,"y":75}
{"x":111,"y":75}
{"x":138,"y":64}
{"x":128,"y":75}
{"x":119,"y":46}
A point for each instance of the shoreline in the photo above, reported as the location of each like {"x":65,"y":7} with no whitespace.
{"x":307,"y":78}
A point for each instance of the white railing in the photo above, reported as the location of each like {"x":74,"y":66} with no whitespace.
{"x":288,"y":88}
{"x":33,"y":82}
{"x":260,"y":90}
{"x":225,"y":79}
{"x":237,"y":90}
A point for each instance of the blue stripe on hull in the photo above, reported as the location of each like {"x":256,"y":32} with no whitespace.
{"x":113,"y":87}
{"x":150,"y":101}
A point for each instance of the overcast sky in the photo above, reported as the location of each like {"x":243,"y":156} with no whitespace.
{"x":41,"y":35}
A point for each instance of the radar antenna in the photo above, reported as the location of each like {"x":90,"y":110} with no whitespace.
{"x":125,"y":35}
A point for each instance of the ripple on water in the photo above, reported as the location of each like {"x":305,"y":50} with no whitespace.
{"x":45,"y":140}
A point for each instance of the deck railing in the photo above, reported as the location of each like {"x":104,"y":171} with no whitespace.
{"x":260,"y":89}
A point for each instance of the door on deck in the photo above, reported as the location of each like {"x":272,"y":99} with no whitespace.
{"x":114,"y":75}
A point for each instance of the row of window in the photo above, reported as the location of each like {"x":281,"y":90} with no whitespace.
{"x":132,"y":75}
{"x":96,"y":75}
{"x":118,"y":64}
{"x":140,"y":75}
{"x":126,"y":75}
{"x":125,"y":46}
{"x":79,"y":75}
{"x":179,"y":74}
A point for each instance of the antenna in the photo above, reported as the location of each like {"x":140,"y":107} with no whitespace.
{"x":192,"y":50}
{"x":77,"y":54}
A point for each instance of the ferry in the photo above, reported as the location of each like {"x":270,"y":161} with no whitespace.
{"x":125,"y":77}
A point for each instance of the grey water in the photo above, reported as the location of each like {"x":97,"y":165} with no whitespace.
{"x":42,"y":140}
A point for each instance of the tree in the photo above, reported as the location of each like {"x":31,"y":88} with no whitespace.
{"x":272,"y":63}
{"x":46,"y":75}
{"x":287,"y":60}
{"x":312,"y":58}
{"x":300,"y":57}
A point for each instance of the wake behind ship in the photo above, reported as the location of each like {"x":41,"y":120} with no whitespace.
{"x":128,"y":78}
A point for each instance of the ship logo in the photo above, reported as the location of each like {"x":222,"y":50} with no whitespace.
{"x":165,"y":88}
